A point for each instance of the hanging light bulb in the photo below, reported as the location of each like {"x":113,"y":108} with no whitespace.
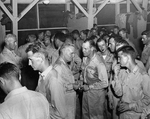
{"x":46,"y":1}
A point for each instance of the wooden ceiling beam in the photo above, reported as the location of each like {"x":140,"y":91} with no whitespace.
{"x":90,"y":5}
{"x":145,"y":4}
{"x":80,"y":7}
{"x":6,"y":10}
{"x":136,"y":5}
{"x":30,"y":6}
{"x":101,"y":7}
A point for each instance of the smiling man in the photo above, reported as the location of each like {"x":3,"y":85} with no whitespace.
{"x":107,"y":56}
{"x":95,"y":80}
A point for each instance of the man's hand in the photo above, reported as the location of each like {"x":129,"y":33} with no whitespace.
{"x":123,"y":107}
{"x":116,"y":69}
{"x":85,"y":87}
{"x":76,"y":86}
{"x":111,"y":102}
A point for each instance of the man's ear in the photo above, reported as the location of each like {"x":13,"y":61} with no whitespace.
{"x":92,"y":48}
{"x":20,"y":77}
{"x":2,"y":81}
{"x":129,"y":57}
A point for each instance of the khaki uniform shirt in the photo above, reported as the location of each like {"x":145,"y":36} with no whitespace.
{"x":108,"y":62}
{"x":51,"y":87}
{"x":10,"y":56}
{"x":145,"y":54}
{"x":134,"y":88}
{"x":94,"y":72}
{"x":22,"y":103}
{"x":67,"y":80}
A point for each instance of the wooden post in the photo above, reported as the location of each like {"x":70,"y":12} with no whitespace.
{"x":128,"y":6}
{"x":38,"y":17}
{"x":15,"y":15}
{"x":145,"y":4}
{"x":67,"y":5}
{"x":90,"y":11}
{"x":117,"y":9}
{"x":2,"y":32}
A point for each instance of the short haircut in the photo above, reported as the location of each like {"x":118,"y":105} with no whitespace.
{"x":116,"y":27}
{"x":32,"y":36}
{"x":104,"y":35}
{"x":65,"y":45}
{"x":8,"y":36}
{"x":60,"y":36}
{"x":120,"y":43}
{"x":91,"y":42}
{"x":8,"y":70}
{"x":65,"y":31}
{"x":94,"y":25}
{"x":69,"y":37}
{"x":92,"y":29}
{"x":128,"y":50}
{"x":41,"y":33}
{"x":147,"y":33}
{"x":123,"y":30}
{"x":76,"y":32}
{"x":100,"y":39}
{"x":92,"y":37}
{"x":115,"y":37}
{"x":85,"y":32}
{"x":37,"y":47}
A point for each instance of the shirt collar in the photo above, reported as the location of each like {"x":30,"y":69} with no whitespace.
{"x":148,"y":45}
{"x":92,"y":58}
{"x":62,"y":60}
{"x":9,"y":51}
{"x":134,"y":70}
{"x":16,"y":92}
{"x":44,"y":73}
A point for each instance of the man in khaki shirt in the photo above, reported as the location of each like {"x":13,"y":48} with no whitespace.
{"x":132,"y":87}
{"x":20,"y":103}
{"x":67,"y":52}
{"x":145,"y":56}
{"x":8,"y":54}
{"x":95,"y":80}
{"x":49,"y":83}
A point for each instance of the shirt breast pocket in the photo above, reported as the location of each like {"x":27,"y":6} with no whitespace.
{"x":135,"y":91}
{"x":91,"y":71}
